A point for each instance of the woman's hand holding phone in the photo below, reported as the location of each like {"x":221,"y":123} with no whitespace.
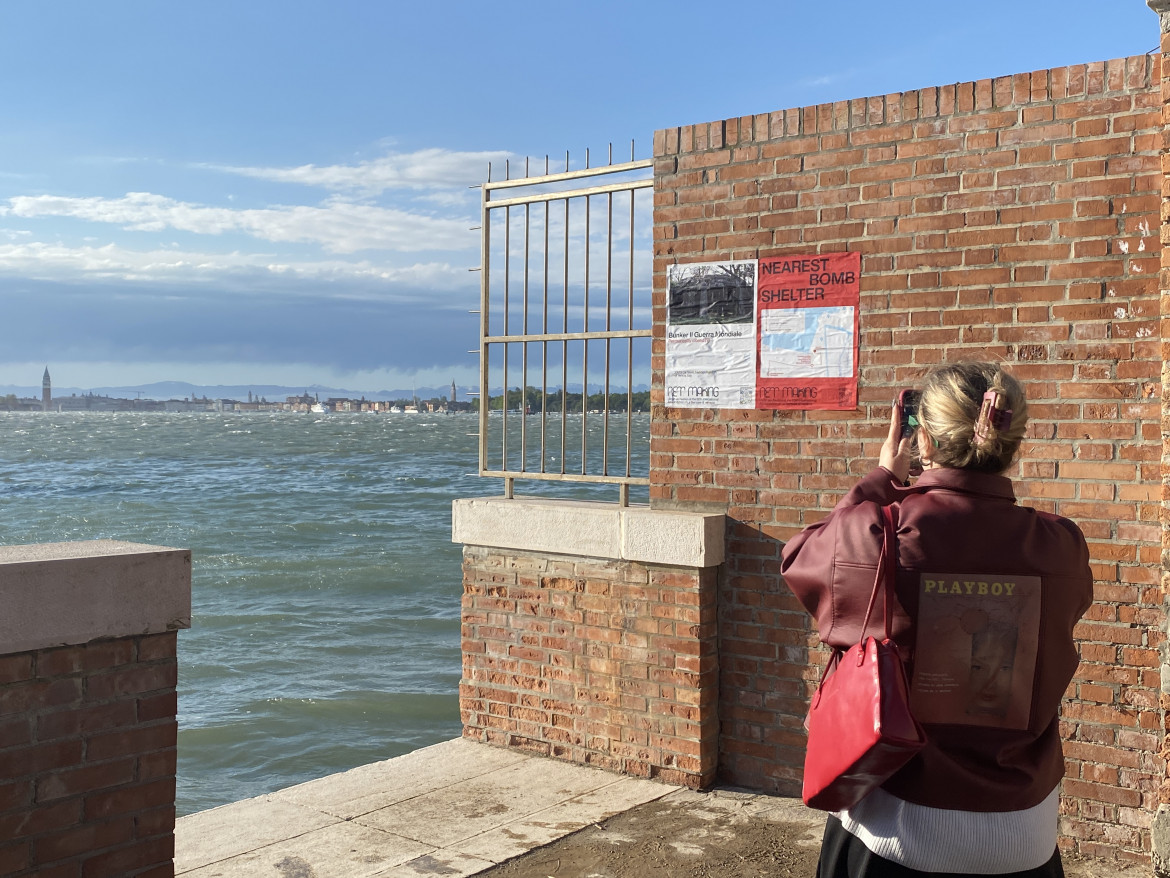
{"x":897,"y":451}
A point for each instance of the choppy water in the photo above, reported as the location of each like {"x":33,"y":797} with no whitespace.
{"x":325,"y":630}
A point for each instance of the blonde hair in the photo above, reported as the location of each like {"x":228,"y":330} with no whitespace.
{"x":968,"y":434}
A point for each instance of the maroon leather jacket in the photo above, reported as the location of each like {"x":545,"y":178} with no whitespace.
{"x":964,"y":523}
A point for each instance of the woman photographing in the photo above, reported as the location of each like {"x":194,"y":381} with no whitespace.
{"x":987,"y":594}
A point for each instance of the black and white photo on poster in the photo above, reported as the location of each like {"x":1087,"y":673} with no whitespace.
{"x":711,"y":335}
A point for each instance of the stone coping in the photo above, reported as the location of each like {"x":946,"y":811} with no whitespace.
{"x":590,"y":529}
{"x":64,"y":594}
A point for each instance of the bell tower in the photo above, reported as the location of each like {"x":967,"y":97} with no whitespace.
{"x":46,"y":391}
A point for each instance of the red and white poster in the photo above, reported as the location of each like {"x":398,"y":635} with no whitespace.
{"x":808,"y":331}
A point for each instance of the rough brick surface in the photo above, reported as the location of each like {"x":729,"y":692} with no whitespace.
{"x":82,"y":736}
{"x":1014,"y":219}
{"x":602,"y":663}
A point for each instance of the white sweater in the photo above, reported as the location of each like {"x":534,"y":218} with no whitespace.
{"x":938,"y":840}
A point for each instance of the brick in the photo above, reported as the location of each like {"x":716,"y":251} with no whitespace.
{"x":79,"y":721}
{"x":32,"y":760}
{"x":14,"y":668}
{"x":82,"y":839}
{"x":14,"y":858}
{"x":90,"y":657}
{"x":19,"y":698}
{"x":131,"y":681}
{"x":130,"y":742}
{"x":69,"y":782}
{"x":129,"y":800}
{"x":131,"y":860}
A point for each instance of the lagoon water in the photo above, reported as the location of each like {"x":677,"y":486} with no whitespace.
{"x":326,"y":588}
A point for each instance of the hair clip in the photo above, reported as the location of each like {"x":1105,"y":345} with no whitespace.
{"x":991,"y":416}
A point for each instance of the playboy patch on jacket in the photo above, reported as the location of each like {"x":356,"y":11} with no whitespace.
{"x":975,"y":657}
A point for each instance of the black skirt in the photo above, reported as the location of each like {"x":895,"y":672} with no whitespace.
{"x":845,"y":856}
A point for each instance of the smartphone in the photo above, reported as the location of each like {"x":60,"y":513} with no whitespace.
{"x":908,"y":404}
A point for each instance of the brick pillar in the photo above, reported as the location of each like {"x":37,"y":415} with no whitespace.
{"x":1160,"y":830}
{"x":589,"y":634}
{"x":88,"y":708}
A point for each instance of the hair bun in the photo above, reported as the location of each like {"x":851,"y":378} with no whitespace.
{"x":975,"y":413}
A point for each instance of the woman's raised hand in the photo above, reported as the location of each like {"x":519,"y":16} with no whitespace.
{"x":896,"y":450}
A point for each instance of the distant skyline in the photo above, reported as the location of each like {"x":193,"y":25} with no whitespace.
{"x":273,"y":391}
{"x":278,"y":193}
{"x":233,"y":390}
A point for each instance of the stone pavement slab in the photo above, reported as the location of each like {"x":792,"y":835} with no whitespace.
{"x":473,"y":807}
{"x":222,"y":833}
{"x":453,"y":809}
{"x":566,"y":816}
{"x":340,"y":850}
{"x":382,"y":784}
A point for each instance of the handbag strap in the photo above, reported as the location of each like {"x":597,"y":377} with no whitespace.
{"x":890,"y":526}
{"x":885,"y":574}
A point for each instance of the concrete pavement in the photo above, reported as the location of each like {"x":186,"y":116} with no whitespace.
{"x":455,"y":809}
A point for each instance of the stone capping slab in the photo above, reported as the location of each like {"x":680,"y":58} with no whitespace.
{"x":591,"y":530}
{"x":65,"y":594}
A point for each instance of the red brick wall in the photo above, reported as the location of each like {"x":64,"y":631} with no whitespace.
{"x":87,"y":759}
{"x":604,"y":663}
{"x":1013,"y":219}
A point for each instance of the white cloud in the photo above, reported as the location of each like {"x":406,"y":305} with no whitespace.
{"x":451,"y":199}
{"x":338,"y":226}
{"x":424,"y":169}
{"x":821,"y":81}
{"x":57,"y":262}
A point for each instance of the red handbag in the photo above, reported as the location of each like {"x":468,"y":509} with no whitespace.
{"x":860,"y":730}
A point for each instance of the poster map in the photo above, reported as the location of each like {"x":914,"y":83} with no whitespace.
{"x":807,"y":343}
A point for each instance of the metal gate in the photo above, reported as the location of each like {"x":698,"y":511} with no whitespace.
{"x":565,"y":298}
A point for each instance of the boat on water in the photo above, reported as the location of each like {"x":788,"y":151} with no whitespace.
{"x":395,"y":410}
{"x":319,"y":408}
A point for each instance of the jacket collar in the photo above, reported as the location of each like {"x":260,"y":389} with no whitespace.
{"x":968,"y":482}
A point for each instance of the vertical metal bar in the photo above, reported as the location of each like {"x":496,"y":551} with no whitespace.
{"x":608,"y":312}
{"x":544,"y":345}
{"x":524,"y":345}
{"x":585,"y":342}
{"x":565,"y":344}
{"x":507,"y":296}
{"x":630,"y":345}
{"x":624,"y":494}
{"x":609,"y":261}
{"x":485,"y":271}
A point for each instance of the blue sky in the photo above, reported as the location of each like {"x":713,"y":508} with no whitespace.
{"x":263,"y":192}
